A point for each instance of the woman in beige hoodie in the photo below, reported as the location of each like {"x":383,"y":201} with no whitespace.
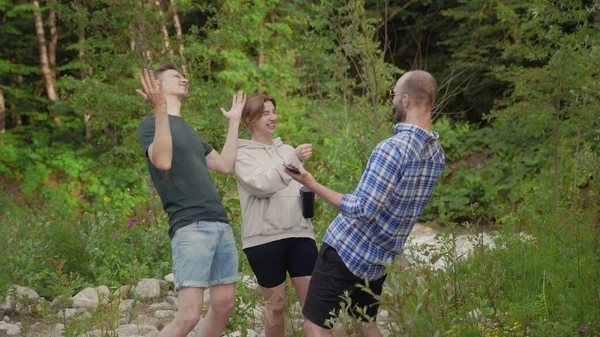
{"x":276,"y":238}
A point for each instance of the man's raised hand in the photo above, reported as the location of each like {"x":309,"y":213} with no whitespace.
{"x":237,"y":105}
{"x":152,"y":90}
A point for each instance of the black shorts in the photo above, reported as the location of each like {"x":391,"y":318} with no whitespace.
{"x":271,"y":261}
{"x":330,"y":279}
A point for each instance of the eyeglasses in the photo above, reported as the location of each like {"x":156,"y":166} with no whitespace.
{"x":392,"y":94}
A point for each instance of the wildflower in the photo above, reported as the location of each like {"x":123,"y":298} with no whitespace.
{"x":131,"y":223}
{"x":581,"y":330}
{"x":116,"y":236}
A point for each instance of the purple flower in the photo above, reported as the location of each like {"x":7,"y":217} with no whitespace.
{"x":131,"y":223}
{"x":116,"y":236}
{"x":581,"y":330}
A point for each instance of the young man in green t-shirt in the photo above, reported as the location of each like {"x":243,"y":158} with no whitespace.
{"x":202,"y":242}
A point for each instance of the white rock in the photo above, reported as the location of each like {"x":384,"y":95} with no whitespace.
{"x":206,"y":296}
{"x":58,"y":329}
{"x":67,"y":313}
{"x":145,"y":320}
{"x":124,"y":292}
{"x":251,"y":333}
{"x":61,"y":302}
{"x":98,"y":333}
{"x":258,"y":312}
{"x":6,"y":319}
{"x":148,"y":289}
{"x":20,"y":299}
{"x":170,"y":278}
{"x":383,"y":315}
{"x":91,"y":297}
{"x":164,"y":313}
{"x":12,"y":330}
{"x":134,"y":329}
{"x":126,"y":305}
{"x":174,"y":301}
{"x":160,"y":306}
{"x":249,"y":281}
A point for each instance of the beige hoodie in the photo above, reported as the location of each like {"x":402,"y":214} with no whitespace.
{"x":270,"y":198}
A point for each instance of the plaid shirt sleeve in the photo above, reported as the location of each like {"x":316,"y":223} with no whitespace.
{"x":376,"y":185}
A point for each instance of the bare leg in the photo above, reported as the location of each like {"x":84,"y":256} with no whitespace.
{"x":301,"y":286}
{"x":313,"y":330}
{"x":221,"y":306}
{"x":275,"y":303}
{"x":371,"y":330}
{"x":190,"y":308}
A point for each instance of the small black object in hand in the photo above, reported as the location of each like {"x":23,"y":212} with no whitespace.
{"x":291,"y":168}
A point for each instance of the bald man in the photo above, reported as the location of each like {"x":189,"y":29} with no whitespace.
{"x":376,"y":219}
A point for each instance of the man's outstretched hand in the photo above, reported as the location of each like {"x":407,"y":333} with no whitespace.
{"x":237,"y":105}
{"x":304,"y":177}
{"x":152,"y":90}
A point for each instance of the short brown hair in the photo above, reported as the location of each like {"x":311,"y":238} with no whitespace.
{"x":165,"y":67}
{"x":254,"y":107}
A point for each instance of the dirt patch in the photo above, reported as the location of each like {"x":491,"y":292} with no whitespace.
{"x":12,"y":189}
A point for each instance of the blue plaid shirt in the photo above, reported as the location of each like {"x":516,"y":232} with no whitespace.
{"x":377,"y":218}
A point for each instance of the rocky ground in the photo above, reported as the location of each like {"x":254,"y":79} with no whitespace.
{"x":145,"y":308}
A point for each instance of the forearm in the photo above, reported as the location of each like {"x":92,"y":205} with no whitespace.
{"x":332,"y":197}
{"x":229,"y":152}
{"x":162,"y":148}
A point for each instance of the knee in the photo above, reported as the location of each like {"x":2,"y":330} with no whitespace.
{"x":189,"y":321}
{"x":274,"y":314}
{"x":275,"y":308}
{"x":224,"y":305}
{"x":308,"y":329}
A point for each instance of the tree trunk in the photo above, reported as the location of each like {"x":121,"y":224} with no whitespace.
{"x":179,"y":34}
{"x":88,"y":126}
{"x":47,"y":53}
{"x":556,"y":141}
{"x":165,"y":32}
{"x":44,"y":59}
{"x":261,"y":59}
{"x":2,"y":111}
{"x":53,"y":42}
{"x":83,"y":73}
{"x":575,"y":166}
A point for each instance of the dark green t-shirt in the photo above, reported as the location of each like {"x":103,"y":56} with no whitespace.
{"x":187,"y":191}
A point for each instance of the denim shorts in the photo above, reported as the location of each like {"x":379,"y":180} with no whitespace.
{"x":204,"y":255}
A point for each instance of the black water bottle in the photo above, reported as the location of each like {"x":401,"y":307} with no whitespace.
{"x":308,"y":202}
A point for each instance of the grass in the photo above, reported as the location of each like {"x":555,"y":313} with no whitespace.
{"x":542,"y":287}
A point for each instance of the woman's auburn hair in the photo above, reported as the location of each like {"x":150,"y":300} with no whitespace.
{"x":253,"y":109}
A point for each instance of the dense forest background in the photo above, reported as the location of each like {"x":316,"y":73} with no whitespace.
{"x":517,"y":112}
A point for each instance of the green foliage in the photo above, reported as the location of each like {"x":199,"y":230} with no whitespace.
{"x":519,"y":127}
{"x":91,"y":248}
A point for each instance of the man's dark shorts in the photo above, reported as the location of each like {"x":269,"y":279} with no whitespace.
{"x":330,"y":279}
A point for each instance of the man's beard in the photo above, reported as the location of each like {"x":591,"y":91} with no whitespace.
{"x":400,"y":114}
